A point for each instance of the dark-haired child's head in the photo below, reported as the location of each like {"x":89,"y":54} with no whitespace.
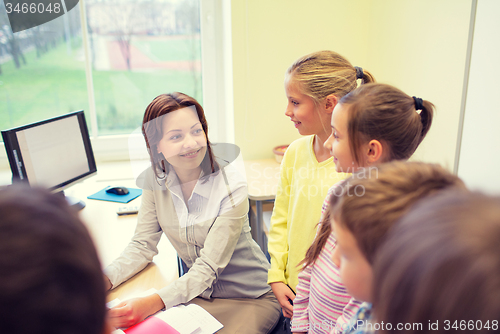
{"x":441,"y":264}
{"x":50,"y":279}
{"x":377,"y":123}
{"x":366,"y":208}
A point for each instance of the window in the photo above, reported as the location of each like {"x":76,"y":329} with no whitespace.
{"x":138,"y":50}
{"x":42,"y":70}
{"x":126,"y":53}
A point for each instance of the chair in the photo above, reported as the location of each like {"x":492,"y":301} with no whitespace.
{"x":181,"y":266}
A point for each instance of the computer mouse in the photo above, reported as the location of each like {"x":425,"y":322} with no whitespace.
{"x":117,"y":190}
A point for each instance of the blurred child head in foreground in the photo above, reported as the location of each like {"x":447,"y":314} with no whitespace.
{"x":51,"y":279}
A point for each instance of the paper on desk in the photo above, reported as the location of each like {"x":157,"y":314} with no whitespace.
{"x":186,"y":319}
{"x":151,"y":325}
{"x":190,"y":319}
{"x":113,"y":303}
{"x":178,"y":319}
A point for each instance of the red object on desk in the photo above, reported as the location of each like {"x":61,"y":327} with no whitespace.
{"x":152,"y":325}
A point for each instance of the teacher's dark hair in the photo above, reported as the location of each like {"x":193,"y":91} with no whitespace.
{"x":51,"y":280}
{"x":152,"y":129}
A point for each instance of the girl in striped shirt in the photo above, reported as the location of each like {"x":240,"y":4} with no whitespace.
{"x":373,"y":124}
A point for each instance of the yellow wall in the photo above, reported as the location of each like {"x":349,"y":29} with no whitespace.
{"x":416,"y":45}
{"x":420,"y":47}
{"x":268,"y":35}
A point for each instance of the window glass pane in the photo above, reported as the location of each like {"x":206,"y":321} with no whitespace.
{"x":140,"y":49}
{"x":42,"y":70}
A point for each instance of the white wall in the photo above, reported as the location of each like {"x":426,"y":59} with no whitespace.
{"x":479,"y":158}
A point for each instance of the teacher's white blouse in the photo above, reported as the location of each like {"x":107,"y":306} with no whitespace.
{"x":211,"y":235}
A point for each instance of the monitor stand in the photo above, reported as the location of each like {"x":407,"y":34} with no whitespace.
{"x":74,"y":202}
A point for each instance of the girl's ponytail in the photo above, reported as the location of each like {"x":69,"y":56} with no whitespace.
{"x":365,"y":76}
{"x":324,"y":73}
{"x":426,"y":117}
{"x":324,"y":227}
{"x":385,"y":113}
{"x":324,"y":231}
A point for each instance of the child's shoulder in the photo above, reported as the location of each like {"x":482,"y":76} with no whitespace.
{"x":299,"y":146}
{"x":302,"y":142}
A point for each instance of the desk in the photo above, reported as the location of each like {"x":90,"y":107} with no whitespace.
{"x":262,"y":177}
{"x":111,"y":233}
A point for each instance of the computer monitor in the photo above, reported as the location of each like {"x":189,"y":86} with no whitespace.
{"x":54,"y":153}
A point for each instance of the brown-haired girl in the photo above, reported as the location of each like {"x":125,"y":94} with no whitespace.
{"x":373,"y":124}
{"x":202,"y":208}
{"x":365,"y":213}
{"x":440,"y":267}
{"x":313,"y":84}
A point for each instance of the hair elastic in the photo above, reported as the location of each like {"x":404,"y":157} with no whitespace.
{"x":419,"y":104}
{"x":359,"y":72}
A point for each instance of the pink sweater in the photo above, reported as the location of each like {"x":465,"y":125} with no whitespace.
{"x":322,"y":303}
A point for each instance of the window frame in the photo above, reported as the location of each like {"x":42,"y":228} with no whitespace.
{"x":217,"y":84}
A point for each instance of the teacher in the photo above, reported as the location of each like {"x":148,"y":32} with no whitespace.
{"x":200,"y":203}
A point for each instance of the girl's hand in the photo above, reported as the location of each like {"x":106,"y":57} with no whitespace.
{"x":133,"y":311}
{"x":283,"y":293}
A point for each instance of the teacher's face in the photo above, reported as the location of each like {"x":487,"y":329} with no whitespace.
{"x":184,"y":143}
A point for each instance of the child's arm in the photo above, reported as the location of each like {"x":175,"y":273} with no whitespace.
{"x":349,"y":311}
{"x":284,"y":294}
{"x":300,"y":321}
{"x":278,"y":244}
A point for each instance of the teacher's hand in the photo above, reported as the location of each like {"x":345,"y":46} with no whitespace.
{"x":132,"y":311}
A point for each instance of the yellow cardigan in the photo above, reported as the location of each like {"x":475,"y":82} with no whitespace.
{"x":303,"y":186}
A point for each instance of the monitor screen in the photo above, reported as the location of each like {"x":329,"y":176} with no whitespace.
{"x":53,"y":153}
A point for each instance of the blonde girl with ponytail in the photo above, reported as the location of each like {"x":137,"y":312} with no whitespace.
{"x":314,"y":84}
